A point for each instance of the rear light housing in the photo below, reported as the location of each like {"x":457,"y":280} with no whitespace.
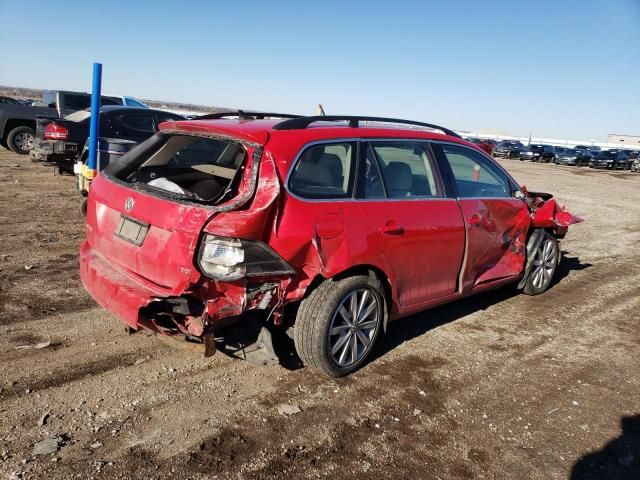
{"x":55,"y":131}
{"x":224,"y":258}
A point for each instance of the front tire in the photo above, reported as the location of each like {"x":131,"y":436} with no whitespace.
{"x":20,"y":140}
{"x":544,"y":265}
{"x":338,"y":323}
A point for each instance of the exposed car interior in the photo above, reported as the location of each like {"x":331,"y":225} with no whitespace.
{"x":192,"y":167}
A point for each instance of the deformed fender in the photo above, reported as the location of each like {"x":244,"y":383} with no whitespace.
{"x":546,"y":213}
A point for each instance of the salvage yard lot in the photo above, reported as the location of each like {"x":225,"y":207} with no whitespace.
{"x":496,"y":386}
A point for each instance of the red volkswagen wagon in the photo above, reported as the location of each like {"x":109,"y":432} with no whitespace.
{"x":329,"y":227}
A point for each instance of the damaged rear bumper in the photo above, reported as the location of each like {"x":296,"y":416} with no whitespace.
{"x":113,"y":289}
{"x":53,"y":151}
{"x":195,"y":316}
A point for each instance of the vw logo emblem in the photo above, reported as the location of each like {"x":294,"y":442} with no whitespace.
{"x":128,"y":204}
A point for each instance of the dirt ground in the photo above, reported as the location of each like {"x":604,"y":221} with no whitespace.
{"x":496,"y":386}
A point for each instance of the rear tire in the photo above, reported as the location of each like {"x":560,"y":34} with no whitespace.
{"x":544,"y":266}
{"x":20,"y":140}
{"x":325,"y":335}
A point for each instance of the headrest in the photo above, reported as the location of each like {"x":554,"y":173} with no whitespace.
{"x":334,"y":165}
{"x":313,"y":174}
{"x":399,"y":178}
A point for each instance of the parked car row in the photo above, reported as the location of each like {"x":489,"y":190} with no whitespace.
{"x":580,"y":155}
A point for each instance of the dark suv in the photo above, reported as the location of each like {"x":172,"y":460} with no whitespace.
{"x":611,"y":159}
{"x":508,"y":149}
{"x":538,"y":153}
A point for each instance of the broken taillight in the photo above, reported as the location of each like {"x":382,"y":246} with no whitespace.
{"x":225,"y":258}
{"x":55,"y":131}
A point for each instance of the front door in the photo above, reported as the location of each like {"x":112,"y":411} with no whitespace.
{"x":419,"y":230}
{"x":496,"y":222}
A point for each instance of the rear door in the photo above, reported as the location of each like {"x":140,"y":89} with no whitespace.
{"x":420,"y":231}
{"x":496,"y":222}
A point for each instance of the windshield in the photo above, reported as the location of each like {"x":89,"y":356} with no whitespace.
{"x":604,"y":155}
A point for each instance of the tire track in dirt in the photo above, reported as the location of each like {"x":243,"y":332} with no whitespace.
{"x":366,"y":424}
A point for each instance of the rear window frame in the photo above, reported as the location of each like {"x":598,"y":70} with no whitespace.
{"x":253,"y":155}
{"x":355,"y":160}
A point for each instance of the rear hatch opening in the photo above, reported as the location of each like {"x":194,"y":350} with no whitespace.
{"x":183,"y":167}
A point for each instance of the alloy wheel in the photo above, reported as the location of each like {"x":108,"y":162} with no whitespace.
{"x":353,"y":327}
{"x":24,"y":141}
{"x":544,"y":264}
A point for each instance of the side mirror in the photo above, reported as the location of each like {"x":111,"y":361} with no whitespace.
{"x":519,"y":195}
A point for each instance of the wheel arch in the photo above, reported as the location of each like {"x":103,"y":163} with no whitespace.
{"x":12,"y":123}
{"x":366,"y":270}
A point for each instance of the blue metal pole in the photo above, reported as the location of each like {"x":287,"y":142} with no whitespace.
{"x":94,"y":128}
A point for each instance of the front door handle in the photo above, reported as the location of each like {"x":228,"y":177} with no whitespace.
{"x":392,"y":229}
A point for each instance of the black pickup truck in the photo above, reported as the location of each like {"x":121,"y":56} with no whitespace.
{"x":18,"y":122}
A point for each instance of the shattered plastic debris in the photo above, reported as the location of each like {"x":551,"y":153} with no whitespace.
{"x":43,"y":418}
{"x":287,"y":409}
{"x":36,"y":346}
{"x":47,"y":446}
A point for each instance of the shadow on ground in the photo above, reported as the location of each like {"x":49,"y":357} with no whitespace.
{"x":619,"y":459}
{"x":419,"y":324}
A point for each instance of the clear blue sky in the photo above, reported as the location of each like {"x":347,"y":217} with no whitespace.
{"x":555,"y":68}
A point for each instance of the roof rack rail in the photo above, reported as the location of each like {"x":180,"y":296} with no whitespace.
{"x":354,"y":122}
{"x":245,"y":115}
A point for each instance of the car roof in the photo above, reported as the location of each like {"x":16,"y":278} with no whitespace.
{"x":260,"y":130}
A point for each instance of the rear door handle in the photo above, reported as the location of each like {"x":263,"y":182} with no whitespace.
{"x":392,"y":229}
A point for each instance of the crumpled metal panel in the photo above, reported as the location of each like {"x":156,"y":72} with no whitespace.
{"x":496,"y":239}
{"x":550,"y":215}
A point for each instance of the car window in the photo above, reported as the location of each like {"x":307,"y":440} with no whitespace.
{"x":324,"y":171}
{"x":77,"y":102}
{"x":140,"y":123}
{"x":49,"y":99}
{"x":406,"y":169}
{"x":474,"y":174}
{"x":110,"y":101}
{"x":370,"y":180}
